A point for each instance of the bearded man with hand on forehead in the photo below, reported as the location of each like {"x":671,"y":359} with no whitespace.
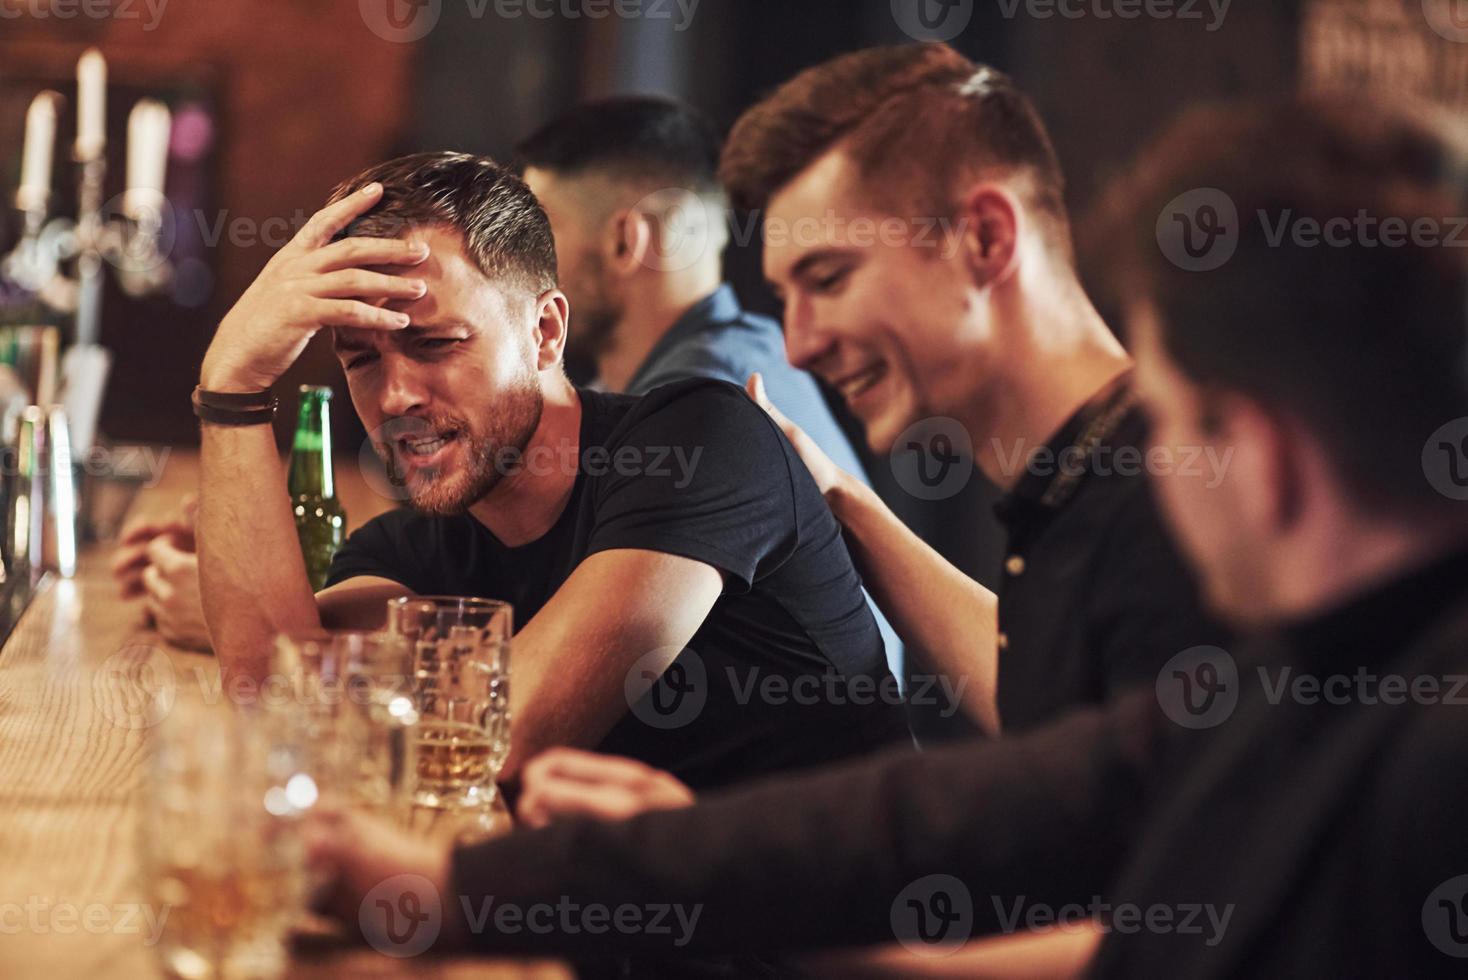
{"x":673,"y":536}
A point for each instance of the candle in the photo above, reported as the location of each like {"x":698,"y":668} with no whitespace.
{"x":148,"y":129}
{"x":91,"y":83}
{"x":40,"y":142}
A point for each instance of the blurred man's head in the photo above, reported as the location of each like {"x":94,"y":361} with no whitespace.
{"x":631,"y":188}
{"x":453,"y":399}
{"x":1323,"y":353}
{"x":906,"y":194}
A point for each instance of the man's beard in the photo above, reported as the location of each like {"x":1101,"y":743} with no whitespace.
{"x":489,"y":455}
{"x":590,"y":336}
{"x":593,"y":316}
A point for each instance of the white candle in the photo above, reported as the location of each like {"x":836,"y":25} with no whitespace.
{"x":40,"y":143}
{"x":148,"y":130}
{"x":91,"y":105}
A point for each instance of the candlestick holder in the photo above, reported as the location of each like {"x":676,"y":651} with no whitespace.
{"x":132,"y":232}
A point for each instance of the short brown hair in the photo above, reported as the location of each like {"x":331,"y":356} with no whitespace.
{"x":505,"y":230}
{"x":1362,"y":342}
{"x":919,"y":118}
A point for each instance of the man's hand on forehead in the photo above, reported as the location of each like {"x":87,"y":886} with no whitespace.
{"x":317,"y":280}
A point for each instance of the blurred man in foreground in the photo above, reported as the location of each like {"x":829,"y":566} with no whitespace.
{"x":1285,"y":809}
{"x":651,"y":547}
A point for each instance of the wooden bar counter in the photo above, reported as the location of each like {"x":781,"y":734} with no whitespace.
{"x":73,"y":745}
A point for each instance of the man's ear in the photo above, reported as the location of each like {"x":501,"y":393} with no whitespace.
{"x":553,"y":320}
{"x":990,"y":217}
{"x":629,"y":239}
{"x":1273,"y":457}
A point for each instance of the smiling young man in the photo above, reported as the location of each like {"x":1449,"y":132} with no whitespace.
{"x":915,"y":227}
{"x":666,"y":554}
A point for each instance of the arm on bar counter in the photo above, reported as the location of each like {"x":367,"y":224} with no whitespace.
{"x":252,"y":575}
{"x":157,"y":560}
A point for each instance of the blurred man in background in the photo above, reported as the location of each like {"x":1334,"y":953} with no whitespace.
{"x":632,"y":191}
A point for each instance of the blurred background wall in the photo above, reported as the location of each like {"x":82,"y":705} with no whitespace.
{"x":284,"y":98}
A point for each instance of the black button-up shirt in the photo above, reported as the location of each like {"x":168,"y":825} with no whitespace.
{"x":1093,"y":597}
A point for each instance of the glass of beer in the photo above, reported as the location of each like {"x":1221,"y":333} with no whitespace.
{"x":219,"y":843}
{"x":348,"y":697}
{"x":461,"y":658}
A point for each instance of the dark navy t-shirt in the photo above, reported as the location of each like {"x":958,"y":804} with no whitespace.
{"x":788,"y":668}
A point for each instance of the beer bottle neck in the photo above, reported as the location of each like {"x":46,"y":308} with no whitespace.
{"x":310,"y":468}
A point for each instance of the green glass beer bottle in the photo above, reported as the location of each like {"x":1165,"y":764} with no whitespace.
{"x":321,"y":523}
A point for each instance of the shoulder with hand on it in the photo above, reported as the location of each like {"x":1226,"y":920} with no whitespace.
{"x":699,"y":405}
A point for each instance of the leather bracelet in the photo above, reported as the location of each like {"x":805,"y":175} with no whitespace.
{"x":233,"y":399}
{"x":215,"y":415}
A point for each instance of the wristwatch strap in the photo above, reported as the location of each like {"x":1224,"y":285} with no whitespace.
{"x":234,"y":399}
{"x":231,"y":408}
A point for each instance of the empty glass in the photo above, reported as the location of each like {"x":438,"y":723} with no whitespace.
{"x":349,"y":695}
